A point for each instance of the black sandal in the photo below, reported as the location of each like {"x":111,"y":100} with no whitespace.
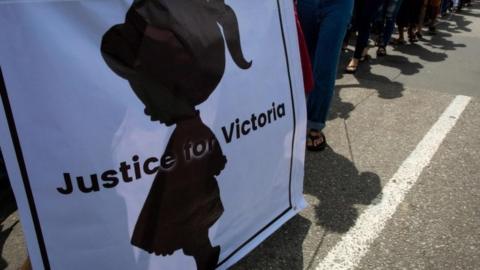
{"x":412,"y":38}
{"x":381,"y":51}
{"x":315,"y":138}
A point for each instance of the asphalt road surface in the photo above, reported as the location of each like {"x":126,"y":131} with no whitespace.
{"x":399,"y":185}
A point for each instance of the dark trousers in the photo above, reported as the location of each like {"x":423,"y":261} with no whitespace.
{"x":368,"y":11}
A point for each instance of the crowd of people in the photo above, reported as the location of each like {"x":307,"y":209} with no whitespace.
{"x":327,"y":26}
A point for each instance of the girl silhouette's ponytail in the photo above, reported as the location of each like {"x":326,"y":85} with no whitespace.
{"x":229,"y":23}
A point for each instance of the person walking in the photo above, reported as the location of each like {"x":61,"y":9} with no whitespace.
{"x":408,"y":17}
{"x":445,"y":5}
{"x":368,"y":11}
{"x":388,"y":14}
{"x":324,"y":24}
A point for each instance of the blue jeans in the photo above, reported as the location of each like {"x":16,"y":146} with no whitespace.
{"x":324,"y":23}
{"x":388,"y":13}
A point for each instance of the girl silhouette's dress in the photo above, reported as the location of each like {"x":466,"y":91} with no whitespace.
{"x":172,"y":52}
{"x":186,"y":199}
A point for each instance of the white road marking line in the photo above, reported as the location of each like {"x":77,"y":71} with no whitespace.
{"x":355,"y":243}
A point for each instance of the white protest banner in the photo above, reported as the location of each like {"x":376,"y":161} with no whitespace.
{"x":153,"y":134}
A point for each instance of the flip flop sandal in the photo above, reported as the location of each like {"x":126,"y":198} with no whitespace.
{"x":316,"y":137}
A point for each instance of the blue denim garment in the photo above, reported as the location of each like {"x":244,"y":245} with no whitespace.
{"x":324,"y":23}
{"x":388,"y":12}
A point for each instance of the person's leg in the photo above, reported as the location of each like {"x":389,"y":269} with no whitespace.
{"x":434,"y":9}
{"x":308,"y":14}
{"x":444,"y":7}
{"x":390,"y":17}
{"x":421,"y":17}
{"x":379,"y":22}
{"x":348,"y":35}
{"x":411,"y":34}
{"x":402,"y":20}
{"x":353,"y":26}
{"x":456,"y":6}
{"x":367,"y":15}
{"x":401,"y":35}
{"x":334,"y":19}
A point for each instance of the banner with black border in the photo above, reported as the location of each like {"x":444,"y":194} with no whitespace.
{"x":84,"y":160}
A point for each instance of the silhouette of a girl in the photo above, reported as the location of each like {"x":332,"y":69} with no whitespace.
{"x":172,"y":52}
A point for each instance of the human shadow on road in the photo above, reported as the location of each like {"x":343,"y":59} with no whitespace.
{"x":421,"y":52}
{"x":339,"y":187}
{"x":442,"y":41}
{"x":7,"y":207}
{"x":468,"y":12}
{"x":283,"y":250}
{"x":7,"y":202}
{"x":334,"y":188}
{"x":402,"y":63}
{"x":385,"y":87}
{"x":455,"y":23}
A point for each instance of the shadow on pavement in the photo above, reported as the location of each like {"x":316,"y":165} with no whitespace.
{"x":3,"y":238}
{"x":283,"y":250}
{"x":441,"y":41}
{"x":7,"y":201}
{"x":468,"y":12}
{"x":403,"y":63}
{"x":339,"y":187}
{"x":447,"y":28}
{"x":459,"y":21}
{"x":386,"y":88}
{"x":7,"y":207}
{"x":420,"y":51}
{"x":367,"y":79}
